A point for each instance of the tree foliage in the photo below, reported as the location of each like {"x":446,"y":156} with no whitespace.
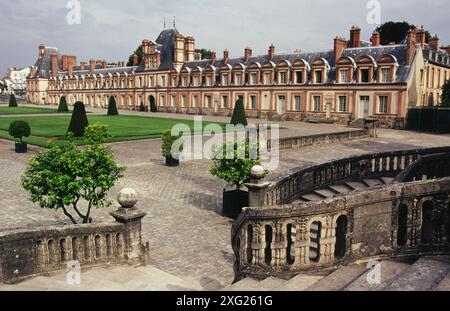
{"x":71,"y":179}
{"x":12,"y":101}
{"x":63,"y":105}
{"x":112,"y":107}
{"x":206,"y":54}
{"x":239,"y":114}
{"x":445,"y":97}
{"x":19,"y":129}
{"x":79,"y":120}
{"x":138,"y":52}
{"x":396,"y":32}
{"x":233,"y":162}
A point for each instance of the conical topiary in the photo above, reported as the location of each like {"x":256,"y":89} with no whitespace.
{"x":63,"y":105}
{"x":239,"y":114}
{"x":79,"y":120}
{"x":153,"y":107}
{"x":12,"y":101}
{"x":112,"y":107}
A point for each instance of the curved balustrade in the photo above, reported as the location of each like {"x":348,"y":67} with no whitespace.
{"x":292,"y":185}
{"x":410,"y":215}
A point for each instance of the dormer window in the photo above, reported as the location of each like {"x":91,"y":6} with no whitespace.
{"x":253,"y":78}
{"x":318,"y":76}
{"x":238,"y":79}
{"x":283,"y":77}
{"x":386,"y":75}
{"x":225,"y":80}
{"x":344,"y":75}
{"x":299,"y":77}
{"x":364,"y":75}
{"x":267,"y":78}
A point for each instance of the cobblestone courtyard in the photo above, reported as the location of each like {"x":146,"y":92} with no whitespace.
{"x":188,"y":236}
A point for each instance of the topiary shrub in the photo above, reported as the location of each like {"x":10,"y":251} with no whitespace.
{"x":142,"y":107}
{"x":63,"y":105}
{"x":445,"y":97}
{"x":153,"y":107}
{"x":112,"y":107}
{"x":12,"y":101}
{"x":239,"y":114}
{"x":79,"y":120}
{"x":19,"y":129}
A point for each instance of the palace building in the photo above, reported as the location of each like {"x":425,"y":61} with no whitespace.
{"x":355,"y":79}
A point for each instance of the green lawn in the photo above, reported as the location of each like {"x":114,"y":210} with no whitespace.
{"x":25,"y":110}
{"x":120,"y":128}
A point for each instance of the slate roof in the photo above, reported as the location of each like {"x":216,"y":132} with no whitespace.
{"x":43,"y":64}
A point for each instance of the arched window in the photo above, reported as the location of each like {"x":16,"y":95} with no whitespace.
{"x":290,"y":249}
{"x":185,"y":77}
{"x":225,"y":74}
{"x":345,"y":68}
{"x":427,"y":222}
{"x":254,"y":73}
{"x":301,"y":69}
{"x":341,"y":237}
{"x":197,"y":76}
{"x":239,"y":74}
{"x":387,"y":68}
{"x":284,"y":72}
{"x":366,"y":66}
{"x":268,"y":73}
{"x":210,"y":76}
{"x":319,"y":70}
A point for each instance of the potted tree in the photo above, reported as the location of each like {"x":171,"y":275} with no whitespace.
{"x":172,"y":158}
{"x":18,"y":130}
{"x":230,"y":166}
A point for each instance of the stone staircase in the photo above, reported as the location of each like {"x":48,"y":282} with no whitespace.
{"x":342,"y":189}
{"x":425,"y":274}
{"x":117,"y":278}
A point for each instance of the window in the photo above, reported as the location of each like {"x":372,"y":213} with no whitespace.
{"x":150,"y":81}
{"x":364,"y":76}
{"x":253,"y":102}
{"x":225,"y":101}
{"x":208,"y":81}
{"x":253,"y":79}
{"x":297,"y":103}
{"x":299,"y":76}
{"x":344,"y":76}
{"x":267,"y":78}
{"x":207,"y":101}
{"x":283,"y":77}
{"x":174,"y":81}
{"x":386,"y":75}
{"x":238,"y":79}
{"x":225,"y":81}
{"x":183,"y":101}
{"x":163,"y":100}
{"x":318,"y":76}
{"x":342,"y":103}
{"x":163,"y":81}
{"x":317,"y":103}
{"x":173,"y":100}
{"x":195,"y":101}
{"x":383,"y":102}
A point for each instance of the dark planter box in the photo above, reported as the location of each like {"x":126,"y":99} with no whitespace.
{"x":233,"y":202}
{"x":172,"y":162}
{"x":21,"y":148}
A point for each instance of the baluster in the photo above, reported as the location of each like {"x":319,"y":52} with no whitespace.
{"x":301,"y":243}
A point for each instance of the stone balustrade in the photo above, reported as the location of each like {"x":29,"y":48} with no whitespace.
{"x":26,"y":253}
{"x":293,"y":184}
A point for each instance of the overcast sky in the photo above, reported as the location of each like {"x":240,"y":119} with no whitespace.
{"x":111,"y":30}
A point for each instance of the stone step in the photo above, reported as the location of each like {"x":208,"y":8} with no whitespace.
{"x":444,"y":285}
{"x":424,"y":275}
{"x":298,"y":201}
{"x":339,"y":279}
{"x":246,"y":285}
{"x":387,"y":180}
{"x":389,"y":270}
{"x":299,"y":283}
{"x":356,"y":185}
{"x":311,"y":197}
{"x":325,"y":193}
{"x":342,"y":189}
{"x":270,"y":284}
{"x":373,"y":182}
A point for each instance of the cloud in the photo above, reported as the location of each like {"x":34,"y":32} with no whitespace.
{"x":111,"y":30}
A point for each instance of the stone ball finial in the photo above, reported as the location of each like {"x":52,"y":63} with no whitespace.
{"x":127,"y":198}
{"x":257,"y":172}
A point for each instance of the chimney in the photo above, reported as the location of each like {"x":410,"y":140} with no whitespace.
{"x":213,"y":57}
{"x":434,"y":43}
{"x":446,"y":49}
{"x":92,"y":64}
{"x":248,"y":53}
{"x":135,"y":60}
{"x":421,"y":37}
{"x":410,"y":47}
{"x":355,"y":37}
{"x":104,"y":64}
{"x":340,"y":44}
{"x":70,"y":69}
{"x":82,"y":65}
{"x":41,"y":50}
{"x":375,"y":39}
{"x":54,"y":64}
{"x":271,"y":51}
{"x":226,"y":56}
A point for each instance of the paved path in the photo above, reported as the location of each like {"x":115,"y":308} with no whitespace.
{"x":187,"y":234}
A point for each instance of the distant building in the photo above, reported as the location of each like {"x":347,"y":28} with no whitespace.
{"x":16,"y":80}
{"x":353,"y":80}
